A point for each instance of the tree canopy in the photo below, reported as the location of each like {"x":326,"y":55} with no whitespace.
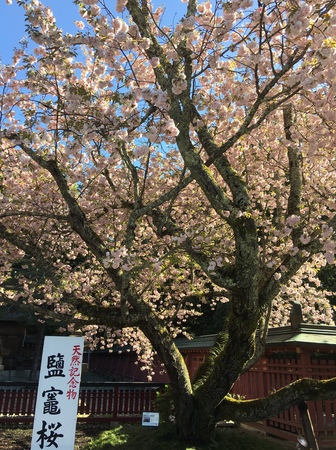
{"x":148,"y":168}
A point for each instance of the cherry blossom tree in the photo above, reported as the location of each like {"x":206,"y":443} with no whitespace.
{"x":145,"y":165}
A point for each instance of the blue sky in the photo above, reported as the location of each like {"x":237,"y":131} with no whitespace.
{"x":12,"y":25}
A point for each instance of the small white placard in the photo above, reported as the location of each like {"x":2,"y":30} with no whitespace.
{"x":150,"y":419}
{"x":58,"y":392}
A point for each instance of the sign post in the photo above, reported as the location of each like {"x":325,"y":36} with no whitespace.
{"x":58,"y":393}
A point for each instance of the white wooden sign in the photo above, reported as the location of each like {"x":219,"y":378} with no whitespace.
{"x":58,"y":392}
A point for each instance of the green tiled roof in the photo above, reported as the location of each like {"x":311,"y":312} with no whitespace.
{"x":306,"y":335}
{"x":198,"y":342}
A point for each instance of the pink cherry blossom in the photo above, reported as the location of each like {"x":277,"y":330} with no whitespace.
{"x":150,"y":170}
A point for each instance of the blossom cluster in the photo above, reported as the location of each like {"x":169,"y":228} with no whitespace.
{"x":178,"y":162}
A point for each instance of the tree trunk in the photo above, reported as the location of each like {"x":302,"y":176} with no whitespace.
{"x":194,"y":423}
{"x":37,"y":354}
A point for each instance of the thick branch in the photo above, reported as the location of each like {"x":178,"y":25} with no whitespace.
{"x":286,"y":397}
{"x":76,"y":218}
{"x":295,"y":176}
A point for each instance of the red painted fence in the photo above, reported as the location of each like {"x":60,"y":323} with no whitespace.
{"x":277,"y":369}
{"x":97,"y":401}
{"x":120,"y":401}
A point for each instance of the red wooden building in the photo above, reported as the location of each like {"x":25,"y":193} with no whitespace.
{"x":292,"y":352}
{"x":309,"y":351}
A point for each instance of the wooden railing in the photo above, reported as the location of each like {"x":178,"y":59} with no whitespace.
{"x":121,"y":401}
{"x":97,"y":401}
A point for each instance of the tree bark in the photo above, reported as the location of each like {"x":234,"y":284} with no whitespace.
{"x":259,"y":409}
{"x":196,"y":420}
{"x":37,"y":353}
{"x":194,"y":423}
